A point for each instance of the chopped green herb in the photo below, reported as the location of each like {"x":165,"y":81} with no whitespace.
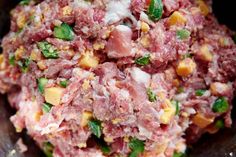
{"x":48,"y":149}
{"x":95,"y":127}
{"x":180,"y":90}
{"x":64,"y":83}
{"x":179,"y":154}
{"x":176,"y":104}
{"x":187,"y":55}
{"x":234,"y":38}
{"x":24,"y":2}
{"x":46,"y":107}
{"x":151,"y":96}
{"x":220,"y":124}
{"x":137,"y":147}
{"x":200,"y":92}
{"x":182,"y":34}
{"x":220,"y":105}
{"x":143,"y":60}
{"x":41,"y":84}
{"x":24,"y":65}
{"x":155,"y":9}
{"x":105,"y":149}
{"x":48,"y":50}
{"x":12,"y":59}
{"x":64,"y":32}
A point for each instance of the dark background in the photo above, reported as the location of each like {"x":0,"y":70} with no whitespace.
{"x":222,"y":144}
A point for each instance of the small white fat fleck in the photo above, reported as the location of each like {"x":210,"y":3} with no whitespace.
{"x":124,"y":94}
{"x":140,"y":76}
{"x":123,"y":28}
{"x":144,"y":132}
{"x":117,"y":10}
{"x":190,"y":110}
{"x":181,"y":97}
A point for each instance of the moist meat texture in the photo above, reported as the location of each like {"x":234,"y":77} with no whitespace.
{"x":118,"y":78}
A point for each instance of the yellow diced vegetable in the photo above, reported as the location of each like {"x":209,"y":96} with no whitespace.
{"x":38,"y":115}
{"x":205,"y":53}
{"x":86,"y":116}
{"x":145,"y":27}
{"x":202,"y":121}
{"x":2,"y":64}
{"x":217,"y":88}
{"x":176,"y":82}
{"x":169,"y":112}
{"x":108,"y":139}
{"x":116,"y":121}
{"x":88,"y":60}
{"x":186,"y":67}
{"x":19,"y":53}
{"x":41,"y":64}
{"x":67,"y":10}
{"x":98,"y":46}
{"x":145,"y":41}
{"x":21,"y":20}
{"x":82,"y":145}
{"x":177,"y":18}
{"x":212,"y":129}
{"x":34,"y":55}
{"x":86,"y":85}
{"x":53,"y":95}
{"x":224,"y":41}
{"x":160,"y":148}
{"x":203,"y":7}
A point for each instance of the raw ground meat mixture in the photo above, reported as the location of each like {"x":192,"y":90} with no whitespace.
{"x":118,"y":78}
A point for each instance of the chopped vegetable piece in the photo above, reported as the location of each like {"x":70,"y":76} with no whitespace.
{"x":64,"y":32}
{"x":176,"y":104}
{"x":186,"y":67}
{"x":220,"y":124}
{"x":151,"y":96}
{"x":64,"y":83}
{"x":24,"y":65}
{"x":183,"y":34}
{"x":53,"y":95}
{"x":137,"y":147}
{"x":103,"y":146}
{"x":155,"y":9}
{"x":41,"y":84}
{"x":220,"y":105}
{"x":143,"y":60}
{"x":24,"y":2}
{"x":187,"y":55}
{"x":12,"y":59}
{"x":202,"y":121}
{"x":180,"y":90}
{"x":179,"y":154}
{"x":200,"y":92}
{"x":95,"y":127}
{"x":46,"y":107}
{"x":234,"y":38}
{"x":48,"y":149}
{"x":48,"y":50}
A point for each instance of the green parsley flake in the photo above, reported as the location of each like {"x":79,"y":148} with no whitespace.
{"x":145,"y":60}
{"x":46,"y":107}
{"x":64,"y":32}
{"x":48,"y":50}
{"x":183,"y":34}
{"x":95,"y":127}
{"x":151,"y":96}
{"x":136,"y":146}
{"x":200,"y":92}
{"x":220,"y":105}
{"x":155,"y":10}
